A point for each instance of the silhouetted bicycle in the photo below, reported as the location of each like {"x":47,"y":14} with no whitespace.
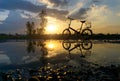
{"x":83,"y":32}
{"x":85,"y":44}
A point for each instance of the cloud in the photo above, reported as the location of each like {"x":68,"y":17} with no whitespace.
{"x":14,"y":23}
{"x":108,"y":29}
{"x":59,"y":2}
{"x":3,"y":15}
{"x":27,"y":14}
{"x":98,"y":12}
{"x":96,"y":1}
{"x":80,"y":14}
{"x":29,"y":7}
{"x":59,"y":14}
{"x":0,"y":22}
{"x":118,"y":14}
{"x":21,"y":11}
{"x":80,"y":11}
{"x":88,"y":9}
{"x":54,"y":3}
{"x":20,"y":5}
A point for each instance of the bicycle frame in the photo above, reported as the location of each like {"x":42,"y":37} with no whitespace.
{"x":69,"y":27}
{"x":81,"y":28}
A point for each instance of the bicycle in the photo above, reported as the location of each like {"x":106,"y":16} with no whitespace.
{"x":83,"y":32}
{"x":85,"y":45}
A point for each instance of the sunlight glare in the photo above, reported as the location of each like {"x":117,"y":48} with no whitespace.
{"x":51,"y":28}
{"x":50,"y":46}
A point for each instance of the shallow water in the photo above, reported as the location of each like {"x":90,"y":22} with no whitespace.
{"x":23,"y":53}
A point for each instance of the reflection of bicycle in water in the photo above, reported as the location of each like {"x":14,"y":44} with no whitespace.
{"x":85,"y":44}
{"x":83,"y":32}
{"x":81,"y":45}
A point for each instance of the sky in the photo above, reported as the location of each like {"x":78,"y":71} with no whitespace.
{"x":103,"y":14}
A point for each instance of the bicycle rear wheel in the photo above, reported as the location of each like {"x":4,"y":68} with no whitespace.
{"x":66,"y":33}
{"x":66,"y":44}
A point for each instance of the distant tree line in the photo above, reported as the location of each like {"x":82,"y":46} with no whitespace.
{"x":99,"y":36}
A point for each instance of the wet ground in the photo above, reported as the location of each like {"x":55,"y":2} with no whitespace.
{"x":85,"y":71}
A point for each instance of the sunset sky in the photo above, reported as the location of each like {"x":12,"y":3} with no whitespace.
{"x":103,"y":14}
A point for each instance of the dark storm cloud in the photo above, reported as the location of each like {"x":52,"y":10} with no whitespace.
{"x":83,"y":12}
{"x":59,"y":2}
{"x":28,"y":6}
{"x":13,"y":23}
{"x":96,"y":1}
{"x":19,"y":5}
{"x":57,"y":13}
{"x":2,"y":10}
{"x":80,"y":13}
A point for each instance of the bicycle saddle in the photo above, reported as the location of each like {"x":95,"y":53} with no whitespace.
{"x":82,"y":21}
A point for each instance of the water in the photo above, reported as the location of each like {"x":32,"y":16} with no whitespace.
{"x":33,"y":53}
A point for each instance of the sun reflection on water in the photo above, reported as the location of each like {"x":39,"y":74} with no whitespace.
{"x":52,"y":47}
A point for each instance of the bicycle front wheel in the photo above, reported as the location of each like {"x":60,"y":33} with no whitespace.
{"x":66,"y":33}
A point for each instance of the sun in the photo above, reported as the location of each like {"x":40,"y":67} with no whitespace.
{"x":51,"y":29}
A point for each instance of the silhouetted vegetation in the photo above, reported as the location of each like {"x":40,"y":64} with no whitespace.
{"x":30,"y":46}
{"x":43,"y":23}
{"x":12,"y":36}
{"x":60,"y":36}
{"x":30,"y":26}
{"x":101,"y":36}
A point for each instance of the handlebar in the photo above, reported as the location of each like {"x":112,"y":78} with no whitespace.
{"x":82,"y":21}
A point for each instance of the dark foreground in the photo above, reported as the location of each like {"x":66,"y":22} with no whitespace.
{"x":85,"y":71}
